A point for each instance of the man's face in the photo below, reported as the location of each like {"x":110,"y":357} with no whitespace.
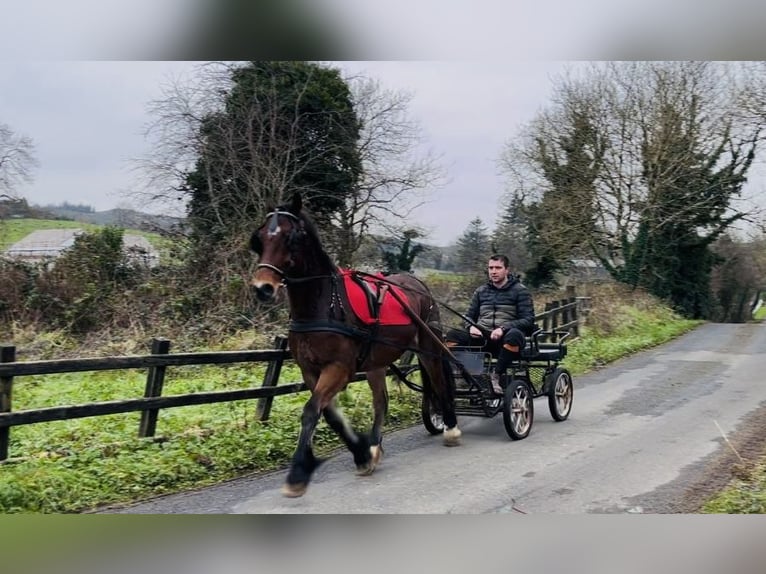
{"x":498,"y":272}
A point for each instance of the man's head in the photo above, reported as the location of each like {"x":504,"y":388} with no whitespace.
{"x":498,"y":269}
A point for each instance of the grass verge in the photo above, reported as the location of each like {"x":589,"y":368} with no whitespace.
{"x":745,"y":495}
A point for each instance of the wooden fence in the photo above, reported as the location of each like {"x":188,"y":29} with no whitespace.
{"x":562,"y":315}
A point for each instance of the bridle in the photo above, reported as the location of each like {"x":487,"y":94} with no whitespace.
{"x":273,"y":229}
{"x":277,"y":270}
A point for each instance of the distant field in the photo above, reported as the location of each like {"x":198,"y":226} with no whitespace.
{"x":12,"y":230}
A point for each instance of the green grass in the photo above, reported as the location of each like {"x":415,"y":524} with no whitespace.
{"x":745,"y":495}
{"x":72,"y":466}
{"x":75,"y":465}
{"x":13,"y":230}
{"x":760,"y":314}
{"x":638,"y":330}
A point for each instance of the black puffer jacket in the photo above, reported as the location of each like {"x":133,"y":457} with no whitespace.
{"x":507,"y":307}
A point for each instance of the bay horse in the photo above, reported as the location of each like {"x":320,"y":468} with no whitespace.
{"x":330,"y":343}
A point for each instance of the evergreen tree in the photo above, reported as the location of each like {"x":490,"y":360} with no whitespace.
{"x":285,"y":127}
{"x":473,"y":248}
{"x":511,"y":236}
{"x":402,"y":259}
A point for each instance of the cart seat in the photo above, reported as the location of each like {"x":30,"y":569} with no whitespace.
{"x":534,"y":350}
{"x":543,"y":352}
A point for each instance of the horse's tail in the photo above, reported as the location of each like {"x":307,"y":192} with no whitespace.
{"x":448,"y":374}
{"x":425,"y":379}
{"x":449,"y":378}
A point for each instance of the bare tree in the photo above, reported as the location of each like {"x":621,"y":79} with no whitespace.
{"x":263,"y":151}
{"x":669,"y":151}
{"x":17,"y":160}
{"x":175,"y":134}
{"x":395,"y":177}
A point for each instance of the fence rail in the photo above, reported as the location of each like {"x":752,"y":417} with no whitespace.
{"x":561,"y":315}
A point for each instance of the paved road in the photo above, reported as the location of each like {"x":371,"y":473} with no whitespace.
{"x":645,"y":436}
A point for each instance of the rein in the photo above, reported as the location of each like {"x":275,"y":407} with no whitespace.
{"x":295,"y":280}
{"x":442,"y":303}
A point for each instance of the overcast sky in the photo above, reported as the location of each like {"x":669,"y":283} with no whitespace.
{"x":87,"y":120}
{"x":488,"y":70}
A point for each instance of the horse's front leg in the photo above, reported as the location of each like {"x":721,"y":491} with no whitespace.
{"x":358,"y":444}
{"x":367,"y":452}
{"x":304,"y":462}
{"x":331,"y":380}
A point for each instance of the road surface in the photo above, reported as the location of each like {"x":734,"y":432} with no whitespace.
{"x":646,"y":435}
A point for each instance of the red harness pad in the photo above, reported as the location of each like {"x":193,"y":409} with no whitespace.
{"x":390,"y":311}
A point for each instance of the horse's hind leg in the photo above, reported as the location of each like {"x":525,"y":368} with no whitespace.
{"x":377,"y":381}
{"x":439,"y":373}
{"x":447,"y":380}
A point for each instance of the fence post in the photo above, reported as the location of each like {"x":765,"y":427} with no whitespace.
{"x":547,"y":317}
{"x":270,"y":379}
{"x":7,"y":355}
{"x":155,"y":379}
{"x":555,"y":311}
{"x":575,"y":317}
{"x":565,"y":317}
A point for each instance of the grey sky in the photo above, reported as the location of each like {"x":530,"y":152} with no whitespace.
{"x":87,"y":121}
{"x":495,"y":57}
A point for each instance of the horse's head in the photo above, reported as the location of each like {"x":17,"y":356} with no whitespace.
{"x":279,"y":245}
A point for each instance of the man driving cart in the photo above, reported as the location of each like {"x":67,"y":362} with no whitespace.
{"x":501,"y":315}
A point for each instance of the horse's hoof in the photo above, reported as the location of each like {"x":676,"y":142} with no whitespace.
{"x":452,"y":436}
{"x":365,"y":469}
{"x":369,"y":467}
{"x":294,"y":490}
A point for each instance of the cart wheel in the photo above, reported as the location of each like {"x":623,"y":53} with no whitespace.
{"x":560,"y":394}
{"x":432,"y":419}
{"x":518,"y":409}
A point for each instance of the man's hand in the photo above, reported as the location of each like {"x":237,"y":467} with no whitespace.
{"x":496,"y":334}
{"x":475,"y":332}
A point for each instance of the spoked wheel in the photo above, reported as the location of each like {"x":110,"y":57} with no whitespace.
{"x":432,"y":419}
{"x":560,"y":394}
{"x":518,"y":409}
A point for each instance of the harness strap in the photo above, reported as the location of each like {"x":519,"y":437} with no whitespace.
{"x":329,"y":325}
